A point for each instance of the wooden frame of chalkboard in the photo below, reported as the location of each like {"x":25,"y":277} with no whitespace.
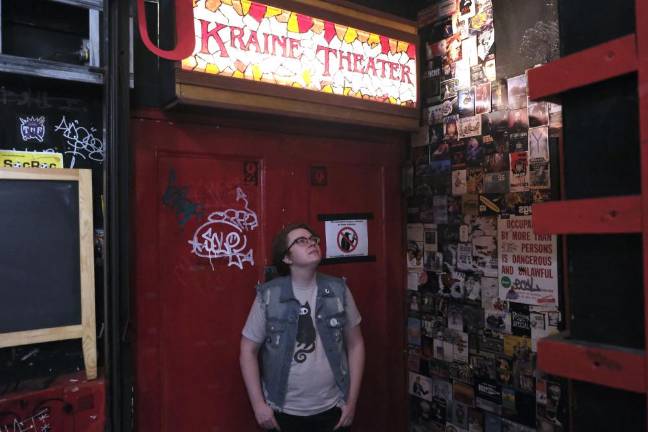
{"x":32,"y":295}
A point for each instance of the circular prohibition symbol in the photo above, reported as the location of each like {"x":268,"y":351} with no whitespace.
{"x":347,"y":239}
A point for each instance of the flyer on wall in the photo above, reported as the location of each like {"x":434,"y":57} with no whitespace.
{"x":415,"y":238}
{"x":528,"y":270}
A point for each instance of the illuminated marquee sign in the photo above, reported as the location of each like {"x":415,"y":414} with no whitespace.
{"x":253,"y":41}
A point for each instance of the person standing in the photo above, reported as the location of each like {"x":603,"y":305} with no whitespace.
{"x":306,"y":328}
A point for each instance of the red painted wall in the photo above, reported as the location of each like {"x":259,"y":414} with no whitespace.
{"x":189,"y":311}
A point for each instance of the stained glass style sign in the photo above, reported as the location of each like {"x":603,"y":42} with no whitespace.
{"x":252,"y":41}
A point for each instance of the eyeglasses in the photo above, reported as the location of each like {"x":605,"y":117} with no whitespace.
{"x":303,"y":241}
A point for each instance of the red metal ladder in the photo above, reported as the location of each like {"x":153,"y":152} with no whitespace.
{"x":606,"y":365}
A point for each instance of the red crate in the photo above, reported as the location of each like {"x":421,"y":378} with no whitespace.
{"x":611,"y":366}
{"x":69,"y":403}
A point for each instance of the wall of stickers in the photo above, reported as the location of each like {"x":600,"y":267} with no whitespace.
{"x":483,"y":288}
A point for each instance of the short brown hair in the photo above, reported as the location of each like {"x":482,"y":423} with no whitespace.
{"x":280,"y":243}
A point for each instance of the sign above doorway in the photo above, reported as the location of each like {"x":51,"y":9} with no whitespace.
{"x":257,"y":42}
{"x":318,"y":60}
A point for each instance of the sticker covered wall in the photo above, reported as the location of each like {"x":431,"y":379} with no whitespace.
{"x":486,"y":287}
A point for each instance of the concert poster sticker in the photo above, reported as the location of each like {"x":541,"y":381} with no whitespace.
{"x":477,"y":75}
{"x":539,"y":144}
{"x":467,"y":9}
{"x":346,"y":238}
{"x":517,"y":92}
{"x":466,"y":102}
{"x":459,"y":182}
{"x":470,"y":126}
{"x":430,"y":246}
{"x":499,"y":95}
{"x":489,"y":68}
{"x":469,"y":50}
{"x":458,"y":154}
{"x":483,"y":98}
{"x":449,"y":88}
{"x":538,"y":113}
{"x":462,"y":73}
{"x":486,"y":42}
{"x":519,"y":171}
{"x":555,"y":115}
{"x":528,"y":269}
{"x":539,"y":176}
{"x":434,"y":114}
{"x":415,"y":246}
{"x":420,"y":386}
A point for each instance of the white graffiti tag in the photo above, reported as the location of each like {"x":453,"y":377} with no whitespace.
{"x":223,"y":235}
{"x":37,"y":422}
{"x":82,"y":141}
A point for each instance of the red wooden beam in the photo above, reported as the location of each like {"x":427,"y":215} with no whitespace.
{"x":613,"y":215}
{"x":606,"y":365}
{"x":604,"y":61}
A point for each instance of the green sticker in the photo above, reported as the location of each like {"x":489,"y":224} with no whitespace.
{"x":505,"y":281}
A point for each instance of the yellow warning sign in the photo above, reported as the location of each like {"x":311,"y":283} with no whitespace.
{"x":23,"y":159}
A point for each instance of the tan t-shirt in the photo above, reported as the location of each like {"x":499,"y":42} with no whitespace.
{"x":311,"y":385}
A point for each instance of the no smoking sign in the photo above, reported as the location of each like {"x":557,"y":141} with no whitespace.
{"x":346,"y":238}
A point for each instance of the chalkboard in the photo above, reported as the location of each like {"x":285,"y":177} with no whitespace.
{"x":46,"y":258}
{"x":39,"y":257}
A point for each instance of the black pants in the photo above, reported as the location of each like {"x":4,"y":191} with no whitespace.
{"x":322,"y":422}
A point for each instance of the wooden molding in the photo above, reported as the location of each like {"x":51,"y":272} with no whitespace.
{"x":86,"y":256}
{"x":39,"y":174}
{"x":207,"y":96}
{"x":352,"y":15}
{"x":40,"y":335}
{"x":240,"y":85}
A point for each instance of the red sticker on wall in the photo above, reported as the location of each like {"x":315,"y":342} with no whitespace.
{"x":318,"y":176}
{"x":251,"y":172}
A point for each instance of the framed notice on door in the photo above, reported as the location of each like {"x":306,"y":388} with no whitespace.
{"x":347,"y":237}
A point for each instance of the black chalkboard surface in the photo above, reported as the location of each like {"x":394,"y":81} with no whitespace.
{"x":47,"y":285}
{"x":39,"y":255}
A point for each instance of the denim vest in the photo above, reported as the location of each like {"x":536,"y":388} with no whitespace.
{"x":282,"y":315}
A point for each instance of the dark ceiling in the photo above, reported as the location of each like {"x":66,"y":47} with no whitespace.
{"x":404,"y":8}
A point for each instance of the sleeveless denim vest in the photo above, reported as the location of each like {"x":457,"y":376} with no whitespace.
{"x":282,"y":315}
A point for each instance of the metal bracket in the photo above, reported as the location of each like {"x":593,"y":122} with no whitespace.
{"x":50,"y":69}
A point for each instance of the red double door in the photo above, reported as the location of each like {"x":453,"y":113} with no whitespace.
{"x":208,"y":201}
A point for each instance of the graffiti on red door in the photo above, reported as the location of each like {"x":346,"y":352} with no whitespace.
{"x":176,"y":197}
{"x":224,"y":235}
{"x":37,"y":422}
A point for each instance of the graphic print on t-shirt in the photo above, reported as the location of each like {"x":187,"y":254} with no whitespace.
{"x":305,"y":334}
